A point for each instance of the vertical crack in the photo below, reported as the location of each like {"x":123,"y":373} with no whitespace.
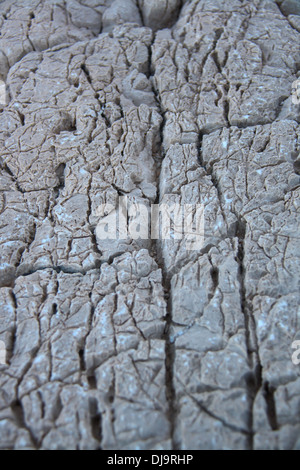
{"x":86,"y":72}
{"x":60,"y":173}
{"x":89,"y":373}
{"x":172,"y":411}
{"x":18,"y":412}
{"x":95,"y":421}
{"x":92,"y":381}
{"x":169,"y":344}
{"x":254,"y":379}
{"x":81,"y":360}
{"x":169,"y":365}
{"x":13,"y":338}
{"x":140,"y":12}
{"x":268,"y":393}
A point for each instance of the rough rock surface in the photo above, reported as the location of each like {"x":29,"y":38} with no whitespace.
{"x":142,"y":344}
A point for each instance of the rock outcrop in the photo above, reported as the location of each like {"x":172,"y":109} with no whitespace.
{"x":139,"y":343}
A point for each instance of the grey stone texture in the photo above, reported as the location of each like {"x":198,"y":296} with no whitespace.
{"x":142,"y":344}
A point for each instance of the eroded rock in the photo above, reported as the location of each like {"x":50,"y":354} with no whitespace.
{"x":137,"y":343}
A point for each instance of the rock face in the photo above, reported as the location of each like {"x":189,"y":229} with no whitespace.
{"x":138,"y":343}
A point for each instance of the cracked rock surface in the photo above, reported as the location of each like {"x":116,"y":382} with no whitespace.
{"x":139,"y":343}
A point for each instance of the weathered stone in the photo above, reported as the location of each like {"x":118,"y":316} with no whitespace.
{"x":138,"y":343}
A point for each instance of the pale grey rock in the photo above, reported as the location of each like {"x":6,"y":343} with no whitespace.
{"x":159,"y":14}
{"x":59,"y":150}
{"x":136,"y":343}
{"x":121,"y":12}
{"x":217,"y":68}
{"x":184,"y":182}
{"x":39,"y":25}
{"x":289,"y":7}
{"x":94,"y":350}
{"x":294,"y":21}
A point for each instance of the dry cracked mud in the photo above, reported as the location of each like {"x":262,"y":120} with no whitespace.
{"x":143,"y":344}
